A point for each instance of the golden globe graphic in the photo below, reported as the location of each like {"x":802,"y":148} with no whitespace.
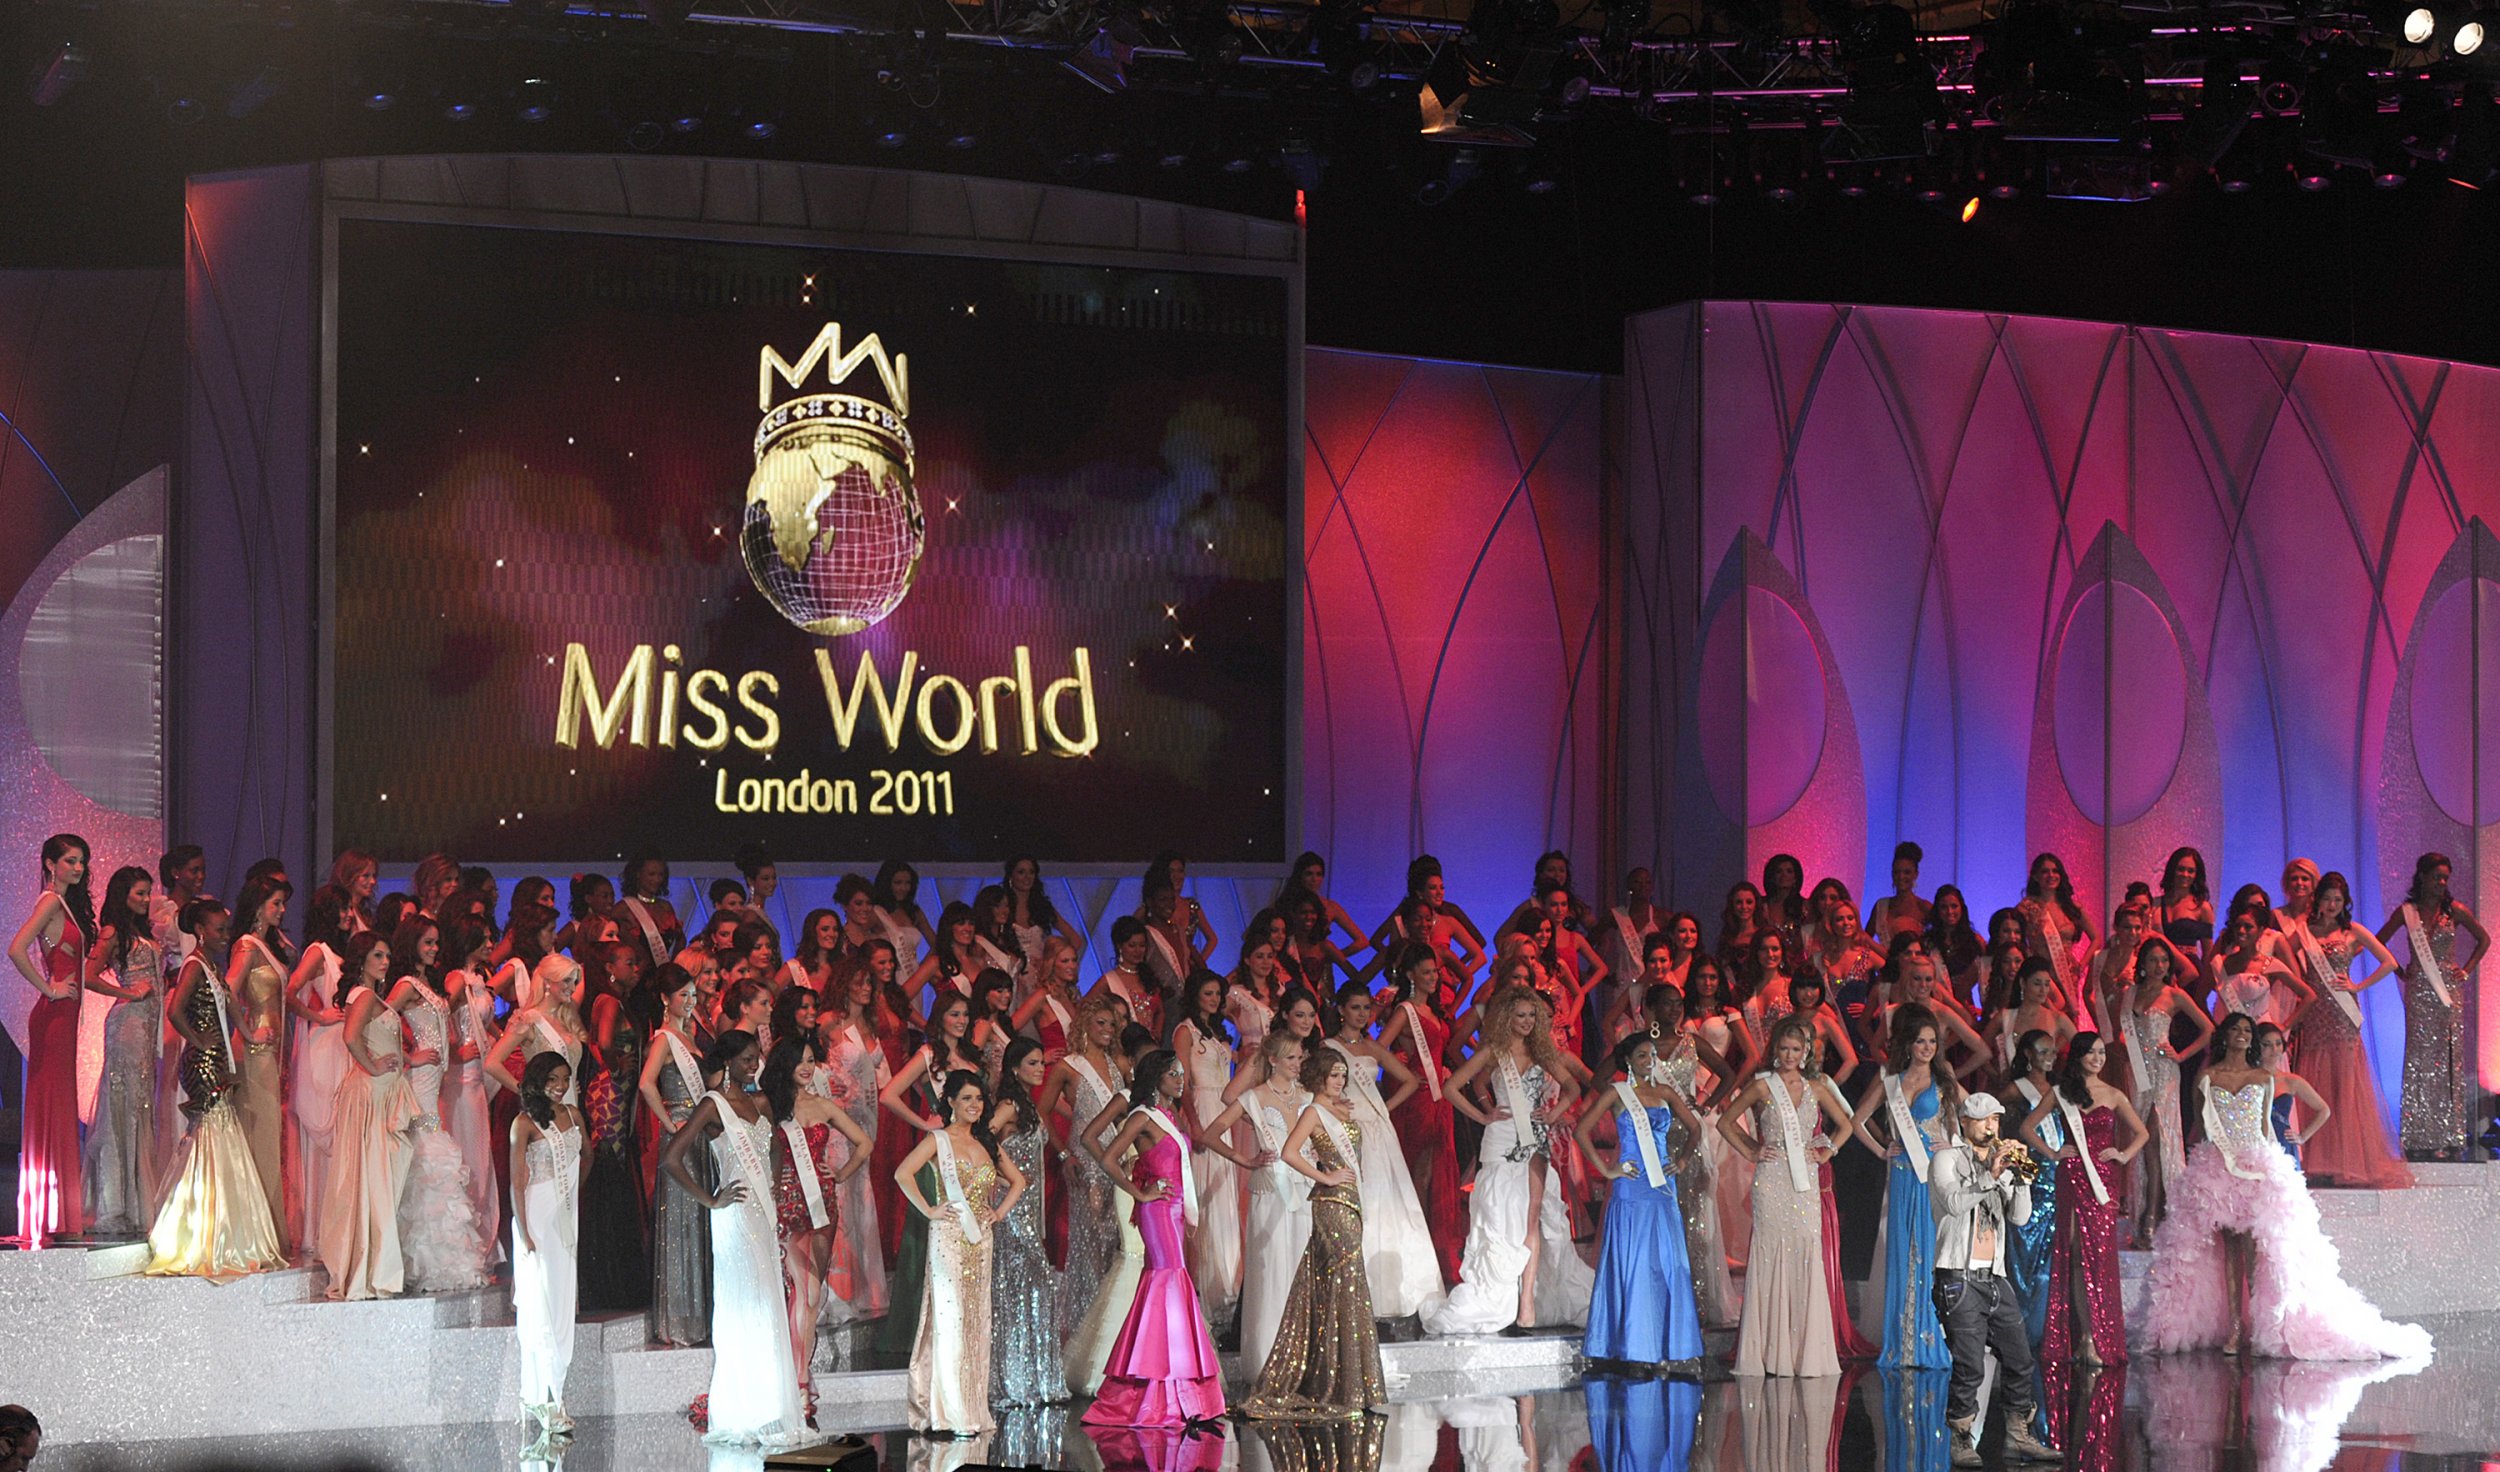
{"x":832,"y":532}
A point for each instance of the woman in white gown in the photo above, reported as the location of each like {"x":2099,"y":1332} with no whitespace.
{"x":1280,"y":1196}
{"x":2241,"y":1261}
{"x":549,"y":1150}
{"x":755,"y":1386}
{"x":320,"y":1042}
{"x":1398,"y":1255}
{"x":439,"y":1238}
{"x":1204,"y":1040}
{"x":1520,"y":1268}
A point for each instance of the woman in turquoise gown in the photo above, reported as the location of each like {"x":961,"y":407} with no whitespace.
{"x":1912,"y":1083}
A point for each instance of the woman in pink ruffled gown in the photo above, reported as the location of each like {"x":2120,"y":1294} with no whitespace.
{"x":2241,"y":1262}
{"x":1163,"y":1370}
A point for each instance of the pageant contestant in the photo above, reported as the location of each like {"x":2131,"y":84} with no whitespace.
{"x":1098,"y":1327}
{"x":1787,"y":1324}
{"x":1690,"y":1065}
{"x":2241,"y":1261}
{"x":2084,"y":1315}
{"x":256,"y":975}
{"x":1280,"y":1205}
{"x":320,"y":1045}
{"x":2033,"y":1240}
{"x":804,"y":1191}
{"x":369,"y":1146}
{"x":214,"y":1222}
{"x":2437,"y":1089}
{"x":1080,"y":1088}
{"x":2144,"y":1028}
{"x":50,"y":951}
{"x":2352,"y":1147}
{"x":616,"y":1203}
{"x":439,"y":1238}
{"x":1397,"y":1240}
{"x":1520,"y":1268}
{"x":1026,"y":1368}
{"x":1412,"y":1030}
{"x":1204,"y":1039}
{"x":1325,"y":1362}
{"x":119,"y":1165}
{"x":912,"y":1097}
{"x":949,"y":1384}
{"x":755,"y":1387}
{"x":549,"y":1150}
{"x":1980,"y":1191}
{"x":1163,"y":1370}
{"x":1642,"y":1310}
{"x":1918,"y":1100}
{"x":681,"y":1225}
{"x":855,"y":1071}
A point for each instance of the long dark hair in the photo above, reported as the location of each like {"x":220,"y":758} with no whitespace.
{"x":404,"y":942}
{"x":255,"y":895}
{"x":2072,"y":1084}
{"x":988,"y":903}
{"x":327,"y":921}
{"x":882,"y":887}
{"x":1147,"y":1076}
{"x":525,"y":924}
{"x":1954,"y":947}
{"x":808,"y":952}
{"x":779,"y":1083}
{"x":2197,"y":890}
{"x":128,"y":924}
{"x":648,"y":1005}
{"x":535,"y":1101}
{"x":2422,"y":868}
{"x":1037,"y":907}
{"x":2064,"y":895}
{"x":1011,"y":1090}
{"x":77,"y":898}
{"x":1907,"y":1019}
{"x":1209,"y":1024}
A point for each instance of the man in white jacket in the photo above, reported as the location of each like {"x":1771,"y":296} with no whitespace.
{"x":1977,"y":1199}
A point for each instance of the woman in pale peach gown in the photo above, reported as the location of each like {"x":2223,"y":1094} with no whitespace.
{"x":369,"y":1149}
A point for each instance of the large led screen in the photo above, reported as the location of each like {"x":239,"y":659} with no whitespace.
{"x":665,"y":545}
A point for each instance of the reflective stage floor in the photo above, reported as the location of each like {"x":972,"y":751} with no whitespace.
{"x":2197,"y":1413}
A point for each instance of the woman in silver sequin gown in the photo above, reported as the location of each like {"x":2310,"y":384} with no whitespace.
{"x":120,"y":1166}
{"x":2436,"y":1088}
{"x":1025,"y":1363}
{"x":681,"y":1225}
{"x":1084,"y":1082}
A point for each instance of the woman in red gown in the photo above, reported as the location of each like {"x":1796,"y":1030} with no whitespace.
{"x":50,"y":951}
{"x":1411,"y":1028}
{"x":2085,"y":1319}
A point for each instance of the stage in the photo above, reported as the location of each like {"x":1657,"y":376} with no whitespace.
{"x":84,"y":1328}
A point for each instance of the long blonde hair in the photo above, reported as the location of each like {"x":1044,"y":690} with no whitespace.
{"x":1540,"y":1037}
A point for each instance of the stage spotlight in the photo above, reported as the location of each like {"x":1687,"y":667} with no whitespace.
{"x":61,"y":71}
{"x":2469,"y":34}
{"x":459,"y":110}
{"x":2420,"y":25}
{"x":760,"y":129}
{"x":1970,"y":209}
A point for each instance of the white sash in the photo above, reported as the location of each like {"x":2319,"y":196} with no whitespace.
{"x":1515,"y":1098}
{"x":1012,"y":965}
{"x":2214,"y":1132}
{"x":1288,"y":1182}
{"x":2134,"y":1021}
{"x":682,"y":1056}
{"x":1171,"y":958}
{"x":1793,"y":1132}
{"x":950,"y":1176}
{"x":804,"y":1167}
{"x":217,"y":994}
{"x":1904,"y":1127}
{"x":1651,"y":1169}
{"x":2067,"y":1111}
{"x":650,"y":928}
{"x":1078,"y":1065}
{"x":1631,"y":934}
{"x":1362,"y":1076}
{"x":1060,"y":1013}
{"x":2419,"y":934}
{"x":2060,"y":942}
{"x":326,"y":972}
{"x":1338,"y":1138}
{"x":2031,"y":1099}
{"x":756,"y":1212}
{"x":524,"y":988}
{"x":796,"y":973}
{"x":2328,"y":982}
{"x":1189,"y":1178}
{"x":1423,"y":1051}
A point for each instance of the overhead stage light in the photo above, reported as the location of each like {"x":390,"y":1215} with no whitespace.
{"x":2468,"y":38}
{"x":2420,"y":25}
{"x":61,"y":71}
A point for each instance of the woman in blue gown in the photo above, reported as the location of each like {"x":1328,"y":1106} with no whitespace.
{"x":1919,"y":1102}
{"x":2027,"y":1252}
{"x":1642,"y":1310}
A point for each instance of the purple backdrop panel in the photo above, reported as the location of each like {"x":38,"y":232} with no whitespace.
{"x":1451,"y":698}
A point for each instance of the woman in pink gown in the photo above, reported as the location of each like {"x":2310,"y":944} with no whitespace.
{"x":2083,"y":1257}
{"x":2353,"y":1147}
{"x":1163,"y":1370}
{"x":50,"y":951}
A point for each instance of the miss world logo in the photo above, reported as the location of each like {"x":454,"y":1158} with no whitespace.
{"x":833,"y":530}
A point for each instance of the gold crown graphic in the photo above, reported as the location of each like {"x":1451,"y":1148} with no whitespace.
{"x":880,"y":422}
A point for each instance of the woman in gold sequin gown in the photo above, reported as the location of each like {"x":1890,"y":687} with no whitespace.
{"x":948,"y":1389}
{"x":256,"y":977}
{"x":1326,"y":1360}
{"x":215,"y":1221}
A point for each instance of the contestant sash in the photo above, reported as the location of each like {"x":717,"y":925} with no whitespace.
{"x":1905,"y":1127}
{"x":2135,"y":1046}
{"x":2418,"y":932}
{"x":652,"y":939}
{"x":1652,"y":1169}
{"x":1793,"y":1134}
{"x":2338,"y":989}
{"x":803,"y":1166}
{"x":2067,"y":1111}
{"x":1422,"y":1040}
{"x":1515,"y":1099}
{"x":1289,"y":1183}
{"x":689,"y":1072}
{"x":2222,"y":1141}
{"x":1171,"y":958}
{"x":951,"y":1179}
{"x":2031,"y":1097}
{"x":1012,"y":965}
{"x":1189,"y":1178}
{"x":1631,"y":934}
{"x":755,"y":1213}
{"x":1067,"y":1022}
{"x":1338,"y":1138}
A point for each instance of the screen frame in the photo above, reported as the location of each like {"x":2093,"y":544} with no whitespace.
{"x":337,"y":211}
